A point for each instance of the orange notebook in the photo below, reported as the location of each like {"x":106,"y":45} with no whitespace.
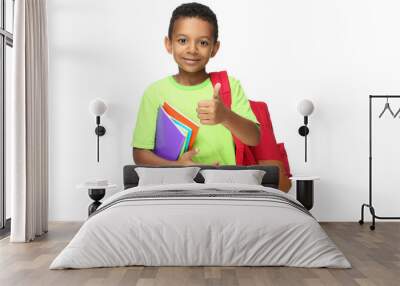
{"x":184,"y":120}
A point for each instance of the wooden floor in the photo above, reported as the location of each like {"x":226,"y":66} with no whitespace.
{"x":374,"y":255}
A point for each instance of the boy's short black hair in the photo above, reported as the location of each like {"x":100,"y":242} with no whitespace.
{"x":194,"y":10}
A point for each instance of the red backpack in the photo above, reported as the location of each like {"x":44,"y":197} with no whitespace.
{"x":267,"y":149}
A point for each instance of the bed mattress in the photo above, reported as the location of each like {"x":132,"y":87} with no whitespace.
{"x":201,"y":225}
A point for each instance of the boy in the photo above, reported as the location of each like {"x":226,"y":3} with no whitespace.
{"x":192,"y":40}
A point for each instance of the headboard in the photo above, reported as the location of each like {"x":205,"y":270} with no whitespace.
{"x":270,"y":179}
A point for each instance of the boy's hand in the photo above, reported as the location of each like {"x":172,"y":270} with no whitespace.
{"x":186,"y":158}
{"x":211,"y":112}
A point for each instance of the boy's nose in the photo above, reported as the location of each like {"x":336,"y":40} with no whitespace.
{"x":192,"y":48}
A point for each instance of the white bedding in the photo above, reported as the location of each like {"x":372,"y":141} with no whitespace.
{"x":200,"y":231}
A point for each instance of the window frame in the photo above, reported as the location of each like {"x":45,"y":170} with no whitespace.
{"x":6,"y":39}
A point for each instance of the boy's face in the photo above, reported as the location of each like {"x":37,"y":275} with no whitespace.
{"x":192,"y":43}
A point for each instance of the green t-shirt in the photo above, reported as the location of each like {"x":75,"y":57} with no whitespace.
{"x":215,"y":142}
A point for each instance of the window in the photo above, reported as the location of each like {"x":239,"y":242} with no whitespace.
{"x":6,"y":44}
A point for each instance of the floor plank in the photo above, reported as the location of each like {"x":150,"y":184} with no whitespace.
{"x":374,"y":255}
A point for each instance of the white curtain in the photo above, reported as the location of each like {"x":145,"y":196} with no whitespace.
{"x":29,"y":122}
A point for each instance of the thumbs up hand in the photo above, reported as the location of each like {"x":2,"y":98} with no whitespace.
{"x":211,"y":112}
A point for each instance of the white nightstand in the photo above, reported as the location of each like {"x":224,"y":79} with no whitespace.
{"x":96,"y":193}
{"x":305,"y":190}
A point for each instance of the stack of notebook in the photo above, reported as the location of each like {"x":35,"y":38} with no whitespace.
{"x":175,"y":133}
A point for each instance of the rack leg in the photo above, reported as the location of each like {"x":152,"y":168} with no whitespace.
{"x":372,"y":210}
{"x":361,"y":221}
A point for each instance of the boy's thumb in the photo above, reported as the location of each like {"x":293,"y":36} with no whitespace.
{"x":217,"y":87}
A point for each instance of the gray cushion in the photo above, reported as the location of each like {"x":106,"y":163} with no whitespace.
{"x":162,"y":176}
{"x":248,"y":177}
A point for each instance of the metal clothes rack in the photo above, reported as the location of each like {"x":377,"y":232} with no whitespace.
{"x":369,"y":205}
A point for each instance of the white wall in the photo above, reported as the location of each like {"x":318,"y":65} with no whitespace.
{"x":335,"y":53}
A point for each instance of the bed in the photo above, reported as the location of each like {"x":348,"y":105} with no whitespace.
{"x":201,"y":224}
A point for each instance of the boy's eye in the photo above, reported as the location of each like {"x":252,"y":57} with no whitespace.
{"x":204,"y":43}
{"x":182,"y":41}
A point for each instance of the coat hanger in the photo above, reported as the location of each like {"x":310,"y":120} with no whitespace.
{"x":387,"y":107}
{"x":397,"y":113}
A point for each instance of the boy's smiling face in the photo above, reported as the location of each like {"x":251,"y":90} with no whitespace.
{"x":192,"y":43}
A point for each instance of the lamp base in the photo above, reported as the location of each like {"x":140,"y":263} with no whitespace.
{"x":303,"y":130}
{"x":100,"y":130}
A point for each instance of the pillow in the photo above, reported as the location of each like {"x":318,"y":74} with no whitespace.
{"x":248,"y":177}
{"x":162,"y":176}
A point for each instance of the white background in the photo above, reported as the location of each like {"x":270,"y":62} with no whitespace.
{"x":335,"y":53}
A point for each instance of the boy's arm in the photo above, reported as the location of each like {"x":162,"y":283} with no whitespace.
{"x":211,"y":112}
{"x":245,"y":130}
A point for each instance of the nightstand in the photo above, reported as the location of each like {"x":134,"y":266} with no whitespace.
{"x":305,"y":190}
{"x":96,"y":193}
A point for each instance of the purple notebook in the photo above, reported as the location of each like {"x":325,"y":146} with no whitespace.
{"x":169,"y":140}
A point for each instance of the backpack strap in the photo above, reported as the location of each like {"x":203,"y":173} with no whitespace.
{"x":225,"y":91}
{"x":225,"y":95}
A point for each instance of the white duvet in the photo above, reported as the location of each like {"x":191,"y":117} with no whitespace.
{"x":200,"y":231}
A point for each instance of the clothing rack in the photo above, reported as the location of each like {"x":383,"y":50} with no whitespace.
{"x":370,"y":205}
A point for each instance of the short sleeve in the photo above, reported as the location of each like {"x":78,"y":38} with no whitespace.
{"x":144,"y":133}
{"x":240,"y":104}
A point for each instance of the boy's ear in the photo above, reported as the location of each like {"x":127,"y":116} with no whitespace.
{"x":215,"y":49}
{"x":168,"y":44}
